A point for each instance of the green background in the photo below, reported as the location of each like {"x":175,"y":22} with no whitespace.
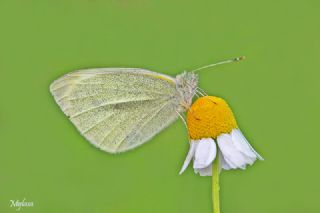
{"x":274,"y":95}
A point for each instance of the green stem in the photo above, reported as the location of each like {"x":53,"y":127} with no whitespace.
{"x":215,"y":185}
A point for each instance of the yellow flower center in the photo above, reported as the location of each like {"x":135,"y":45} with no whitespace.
{"x":209,"y":117}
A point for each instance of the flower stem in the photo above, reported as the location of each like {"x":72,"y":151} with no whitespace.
{"x":215,"y":185}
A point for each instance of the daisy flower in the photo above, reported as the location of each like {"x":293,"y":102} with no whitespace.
{"x":216,"y":142}
{"x":212,"y":130}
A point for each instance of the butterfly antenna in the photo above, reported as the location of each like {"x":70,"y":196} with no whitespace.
{"x":221,"y":62}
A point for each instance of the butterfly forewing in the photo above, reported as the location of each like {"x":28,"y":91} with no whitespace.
{"x":117,"y":109}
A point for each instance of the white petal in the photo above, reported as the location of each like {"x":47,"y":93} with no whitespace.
{"x":243,"y":145}
{"x":204,"y":171}
{"x":223,"y":163}
{"x":233,"y":157}
{"x":192,"y":149}
{"x":205,"y":153}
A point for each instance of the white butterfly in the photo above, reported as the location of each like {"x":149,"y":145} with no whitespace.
{"x":118,"y":109}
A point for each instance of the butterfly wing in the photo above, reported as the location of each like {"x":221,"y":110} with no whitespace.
{"x":117,"y":109}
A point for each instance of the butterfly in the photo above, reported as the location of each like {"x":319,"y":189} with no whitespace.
{"x":118,"y":109}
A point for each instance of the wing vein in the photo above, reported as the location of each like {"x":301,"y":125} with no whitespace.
{"x":109,"y":103}
{"x":98,"y":94}
{"x":148,"y":120}
{"x":102,"y":120}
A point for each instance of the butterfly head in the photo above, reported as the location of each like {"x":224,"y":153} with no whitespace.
{"x":186,"y":85}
